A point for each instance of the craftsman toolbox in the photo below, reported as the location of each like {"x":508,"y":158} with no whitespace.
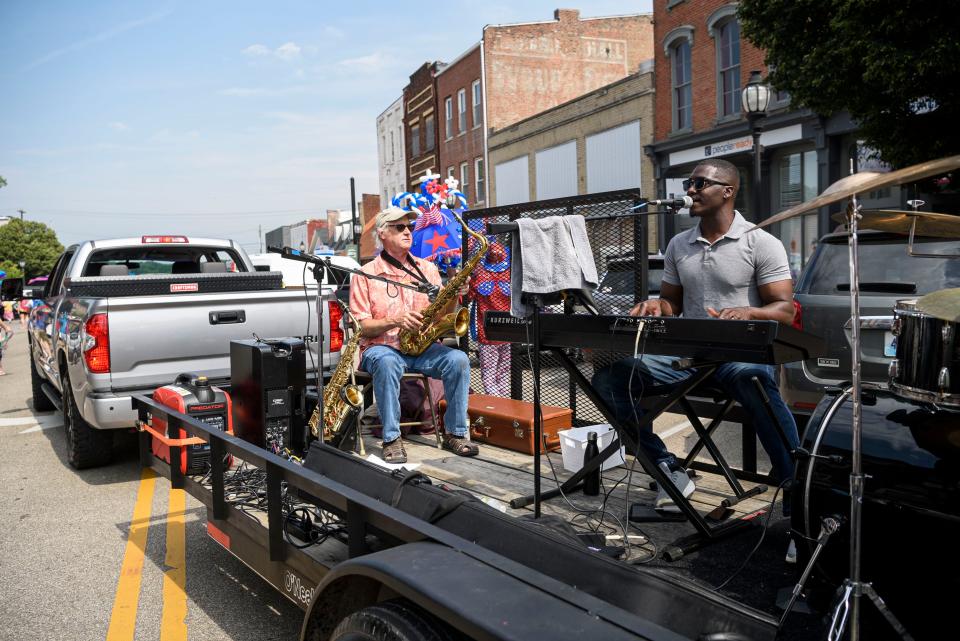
{"x":508,"y":423}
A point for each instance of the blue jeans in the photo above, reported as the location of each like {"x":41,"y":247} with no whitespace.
{"x":386,"y":365}
{"x":733,"y":378}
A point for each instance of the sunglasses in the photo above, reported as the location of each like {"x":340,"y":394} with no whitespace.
{"x":400,"y":227}
{"x":700,"y":182}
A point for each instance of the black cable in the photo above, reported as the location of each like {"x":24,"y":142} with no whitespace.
{"x":763,"y":534}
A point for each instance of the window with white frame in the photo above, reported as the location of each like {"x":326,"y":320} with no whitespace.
{"x":465,"y":178}
{"x":478,"y":172}
{"x":448,"y":117}
{"x":477,"y":103}
{"x":415,"y":141}
{"x":462,"y":110}
{"x":451,"y":172}
{"x":677,"y":45}
{"x":393,"y":148}
{"x":682,"y":88}
{"x":728,"y":68}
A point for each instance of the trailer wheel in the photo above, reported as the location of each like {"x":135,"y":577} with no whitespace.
{"x":86,"y":447}
{"x":390,"y":621}
{"x":41,"y":402}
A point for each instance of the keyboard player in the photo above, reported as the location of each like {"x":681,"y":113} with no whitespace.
{"x":713,"y":270}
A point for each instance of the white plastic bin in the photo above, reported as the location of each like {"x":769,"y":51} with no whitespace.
{"x":574,"y":441}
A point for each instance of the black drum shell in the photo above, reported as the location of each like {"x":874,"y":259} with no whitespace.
{"x":911,"y":506}
{"x":926,"y":345}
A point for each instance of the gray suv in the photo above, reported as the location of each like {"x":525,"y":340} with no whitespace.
{"x":822,"y":298}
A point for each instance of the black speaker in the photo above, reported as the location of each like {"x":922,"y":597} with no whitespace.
{"x":267,"y":387}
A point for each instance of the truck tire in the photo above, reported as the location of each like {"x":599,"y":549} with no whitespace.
{"x":390,"y":621}
{"x":86,"y":447}
{"x":41,"y":402}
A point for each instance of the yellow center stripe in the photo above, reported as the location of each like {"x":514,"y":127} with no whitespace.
{"x":173,"y":626}
{"x":123,"y":620}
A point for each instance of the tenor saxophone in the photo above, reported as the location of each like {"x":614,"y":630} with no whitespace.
{"x":340,"y":399}
{"x":435,"y":323}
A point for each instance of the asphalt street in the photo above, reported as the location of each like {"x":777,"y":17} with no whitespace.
{"x":67,"y":567}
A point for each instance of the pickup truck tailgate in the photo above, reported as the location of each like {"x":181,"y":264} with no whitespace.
{"x":154,"y":338}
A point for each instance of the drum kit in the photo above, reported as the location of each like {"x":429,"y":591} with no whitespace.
{"x":912,"y":426}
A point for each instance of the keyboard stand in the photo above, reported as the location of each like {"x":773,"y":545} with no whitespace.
{"x":705,"y":532}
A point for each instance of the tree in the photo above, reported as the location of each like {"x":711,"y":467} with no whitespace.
{"x":893,"y":64}
{"x":29,"y":241}
{"x":3,"y":183}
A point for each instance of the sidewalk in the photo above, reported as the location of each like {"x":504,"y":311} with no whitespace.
{"x":15,"y":389}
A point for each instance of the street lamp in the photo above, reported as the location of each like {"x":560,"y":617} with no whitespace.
{"x":755,"y":98}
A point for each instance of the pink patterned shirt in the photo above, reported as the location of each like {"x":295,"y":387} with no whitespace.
{"x":378,"y":300}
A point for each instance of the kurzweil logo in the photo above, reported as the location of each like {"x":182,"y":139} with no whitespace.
{"x":184,"y":287}
{"x":278,"y":401}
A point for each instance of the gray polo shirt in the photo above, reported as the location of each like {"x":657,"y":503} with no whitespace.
{"x":726,"y":273}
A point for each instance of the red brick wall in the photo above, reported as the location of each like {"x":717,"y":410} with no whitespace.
{"x":420,"y":101}
{"x":468,"y":146}
{"x":369,"y":206}
{"x":703,"y":59}
{"x":533,"y":67}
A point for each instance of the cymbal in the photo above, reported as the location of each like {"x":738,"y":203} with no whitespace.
{"x":928,"y":223}
{"x":943,"y":304}
{"x":864,"y":182}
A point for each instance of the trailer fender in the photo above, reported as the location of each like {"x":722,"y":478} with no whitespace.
{"x":478,"y":600}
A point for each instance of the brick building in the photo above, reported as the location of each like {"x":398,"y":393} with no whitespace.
{"x":460,"y":105}
{"x":420,"y":123}
{"x":591,"y":144}
{"x":519,"y":70}
{"x":702,"y":64}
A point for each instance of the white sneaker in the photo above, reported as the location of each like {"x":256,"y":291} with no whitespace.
{"x":679,"y":478}
{"x":791,"y":552}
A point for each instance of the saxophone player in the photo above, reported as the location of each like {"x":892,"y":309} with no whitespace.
{"x":383,"y":310}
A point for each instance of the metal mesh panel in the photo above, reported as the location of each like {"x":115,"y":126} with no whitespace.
{"x":615,"y":238}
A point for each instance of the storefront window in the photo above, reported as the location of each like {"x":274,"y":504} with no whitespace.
{"x":798,"y":183}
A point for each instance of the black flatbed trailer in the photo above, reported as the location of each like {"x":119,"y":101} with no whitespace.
{"x":418,"y":561}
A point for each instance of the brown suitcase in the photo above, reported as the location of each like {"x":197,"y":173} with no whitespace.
{"x":507,"y":423}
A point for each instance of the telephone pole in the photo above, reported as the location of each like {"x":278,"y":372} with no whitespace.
{"x":21,"y":214}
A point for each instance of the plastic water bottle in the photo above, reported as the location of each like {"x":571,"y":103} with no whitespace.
{"x":591,"y":482}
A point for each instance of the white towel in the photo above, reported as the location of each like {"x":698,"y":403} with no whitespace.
{"x":553,"y":254}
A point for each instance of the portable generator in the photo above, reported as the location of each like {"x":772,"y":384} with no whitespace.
{"x":194,"y":396}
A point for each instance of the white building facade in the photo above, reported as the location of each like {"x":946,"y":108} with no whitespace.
{"x":390,"y":154}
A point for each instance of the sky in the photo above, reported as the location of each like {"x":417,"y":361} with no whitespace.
{"x":211,"y":117}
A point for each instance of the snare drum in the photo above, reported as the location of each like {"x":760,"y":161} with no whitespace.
{"x":927,"y":365}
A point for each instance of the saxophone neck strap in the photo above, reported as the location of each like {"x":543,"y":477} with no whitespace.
{"x":393,"y":262}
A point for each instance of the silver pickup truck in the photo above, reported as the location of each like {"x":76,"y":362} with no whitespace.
{"x":126,"y":316}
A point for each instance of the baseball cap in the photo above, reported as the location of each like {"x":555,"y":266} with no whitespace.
{"x":391,"y":214}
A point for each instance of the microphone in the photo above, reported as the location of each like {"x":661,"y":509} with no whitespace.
{"x":295,"y":254}
{"x":429,"y":289}
{"x":682,"y":202}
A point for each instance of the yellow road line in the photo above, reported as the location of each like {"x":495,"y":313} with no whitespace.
{"x":173,"y":626}
{"x":123,"y":620}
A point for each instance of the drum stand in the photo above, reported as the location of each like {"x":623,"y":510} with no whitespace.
{"x":853,"y":589}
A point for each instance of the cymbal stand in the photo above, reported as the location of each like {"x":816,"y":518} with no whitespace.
{"x":852,"y":589}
